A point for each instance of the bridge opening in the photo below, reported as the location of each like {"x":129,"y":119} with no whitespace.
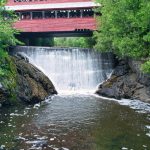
{"x":75,"y":13}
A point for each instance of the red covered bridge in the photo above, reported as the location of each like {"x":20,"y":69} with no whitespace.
{"x":54,"y":17}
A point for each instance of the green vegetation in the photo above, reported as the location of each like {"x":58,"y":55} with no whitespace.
{"x":124,"y":29}
{"x":146,"y":67}
{"x":7,"y":38}
{"x":82,"y":42}
{"x":45,"y":41}
{"x":38,"y":41}
{"x":7,"y":74}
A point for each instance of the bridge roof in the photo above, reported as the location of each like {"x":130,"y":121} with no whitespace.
{"x":53,"y":6}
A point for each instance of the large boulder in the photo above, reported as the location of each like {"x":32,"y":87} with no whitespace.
{"x":32,"y":84}
{"x":141,"y":77}
{"x":127,"y":81}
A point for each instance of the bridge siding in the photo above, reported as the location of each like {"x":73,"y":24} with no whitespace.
{"x":12,"y":3}
{"x":60,"y":24}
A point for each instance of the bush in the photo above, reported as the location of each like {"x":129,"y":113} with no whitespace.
{"x":146,"y":67}
{"x":8,"y":74}
{"x":124,"y":28}
{"x":82,"y":42}
{"x":7,"y":38}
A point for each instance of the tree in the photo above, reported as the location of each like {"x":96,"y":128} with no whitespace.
{"x":7,"y":32}
{"x":82,"y":42}
{"x":7,"y":38}
{"x":124,"y":28}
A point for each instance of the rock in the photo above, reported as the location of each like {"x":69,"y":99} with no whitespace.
{"x":126,"y":81}
{"x":4,"y":95}
{"x":32,"y":85}
{"x":121,"y":69}
{"x":141,"y":77}
{"x":22,"y":55}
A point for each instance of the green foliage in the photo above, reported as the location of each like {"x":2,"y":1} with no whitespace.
{"x":7,"y":73}
{"x":7,"y":38}
{"x":2,"y":2}
{"x":82,"y":42}
{"x":124,"y":28}
{"x":146,"y":67}
{"x":45,"y":41}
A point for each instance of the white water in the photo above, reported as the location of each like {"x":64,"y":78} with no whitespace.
{"x":73,"y":69}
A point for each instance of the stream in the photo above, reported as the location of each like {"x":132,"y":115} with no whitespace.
{"x":76,"y":118}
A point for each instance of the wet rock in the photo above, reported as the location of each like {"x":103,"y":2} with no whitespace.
{"x":4,"y":95}
{"x":23,"y":56}
{"x":121,"y":69}
{"x":32,"y":85}
{"x":126,"y":81}
{"x":141,"y":77}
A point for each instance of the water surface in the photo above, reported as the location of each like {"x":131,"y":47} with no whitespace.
{"x":76,"y":122}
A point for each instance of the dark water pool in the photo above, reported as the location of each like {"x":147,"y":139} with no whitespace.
{"x":76,"y":122}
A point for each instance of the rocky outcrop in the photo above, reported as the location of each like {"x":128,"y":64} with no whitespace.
{"x":32,"y":85}
{"x":127,"y":81}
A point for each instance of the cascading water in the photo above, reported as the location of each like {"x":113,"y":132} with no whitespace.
{"x":71,"y":69}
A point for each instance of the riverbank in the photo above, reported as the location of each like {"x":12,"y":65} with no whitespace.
{"x":127,"y":81}
{"x":32,"y":85}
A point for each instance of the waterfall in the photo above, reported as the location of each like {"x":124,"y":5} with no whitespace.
{"x":71,"y":69}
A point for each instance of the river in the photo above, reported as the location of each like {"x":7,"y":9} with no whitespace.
{"x":75,"y":119}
